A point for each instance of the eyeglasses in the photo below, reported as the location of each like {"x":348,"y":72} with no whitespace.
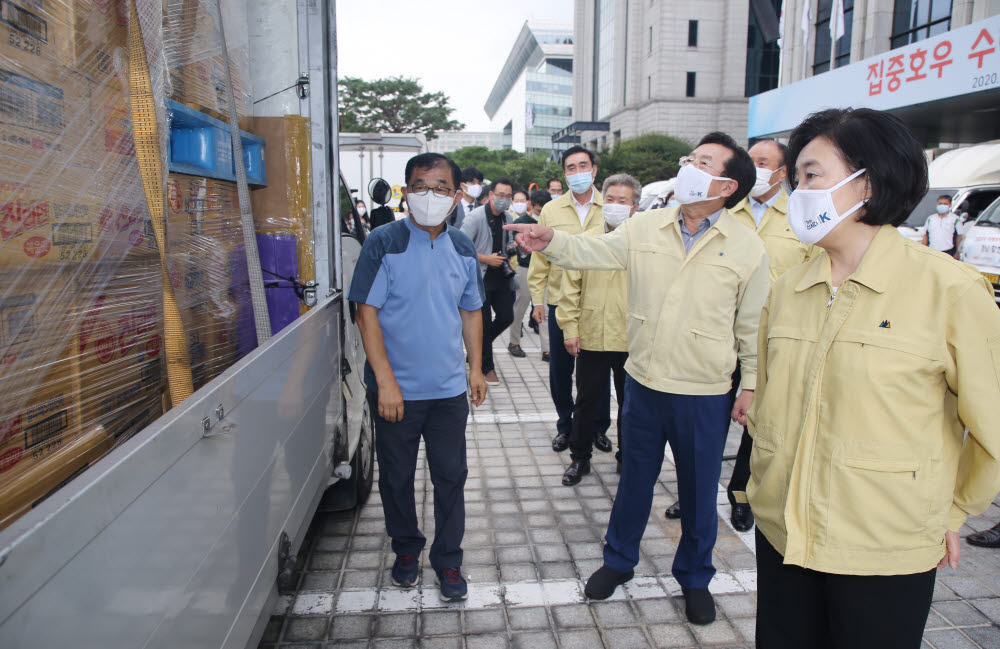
{"x":502,"y":195}
{"x":701,"y":164}
{"x":421,"y":190}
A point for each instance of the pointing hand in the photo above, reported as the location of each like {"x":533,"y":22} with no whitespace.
{"x":531,"y":237}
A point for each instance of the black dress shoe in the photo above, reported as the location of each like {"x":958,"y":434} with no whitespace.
{"x":699,"y":605}
{"x":560,"y":443}
{"x":602,"y":583}
{"x":516,"y":351}
{"x":987,"y":538}
{"x":575,"y":471}
{"x":545,"y":357}
{"x":602,"y":442}
{"x":742,"y":517}
{"x":674,"y":511}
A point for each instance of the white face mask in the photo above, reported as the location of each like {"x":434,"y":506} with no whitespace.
{"x":763,"y":184}
{"x":555,"y":194}
{"x":614,"y":214}
{"x":693,"y":184}
{"x":362,"y":210}
{"x":430,"y":210}
{"x":812,"y":214}
{"x":473,"y":191}
{"x":519,"y":207}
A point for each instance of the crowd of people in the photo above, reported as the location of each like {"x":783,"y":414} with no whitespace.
{"x":771,"y":289}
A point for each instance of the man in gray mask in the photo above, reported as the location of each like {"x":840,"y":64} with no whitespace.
{"x":484,"y":225}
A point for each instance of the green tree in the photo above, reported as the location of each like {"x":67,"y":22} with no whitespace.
{"x":649,"y":158}
{"x":393,"y":105}
{"x":522,"y":169}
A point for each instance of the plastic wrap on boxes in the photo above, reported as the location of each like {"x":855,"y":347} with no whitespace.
{"x":207,"y":263}
{"x":193,"y":47}
{"x":284,"y":207}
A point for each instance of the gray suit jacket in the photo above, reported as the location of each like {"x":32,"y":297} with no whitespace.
{"x":476,"y":226}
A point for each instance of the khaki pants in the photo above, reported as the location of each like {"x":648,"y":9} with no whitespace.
{"x":521,"y":307}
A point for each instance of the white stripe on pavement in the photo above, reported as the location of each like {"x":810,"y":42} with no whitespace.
{"x":491,"y":595}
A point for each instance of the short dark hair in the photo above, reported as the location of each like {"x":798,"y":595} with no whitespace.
{"x":540,"y":197}
{"x":573,"y":150}
{"x":549,"y":182}
{"x":947,"y":197}
{"x":503,"y":181}
{"x":739,"y":167}
{"x":431,"y":161}
{"x":878,"y":142}
{"x":471,"y":173}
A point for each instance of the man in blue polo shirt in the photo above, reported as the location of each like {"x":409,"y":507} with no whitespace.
{"x":419,"y":293}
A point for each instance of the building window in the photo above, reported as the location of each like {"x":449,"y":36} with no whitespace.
{"x":604,"y":58}
{"x":915,"y":20}
{"x":762,"y":58}
{"x":690,"y":84}
{"x":650,"y":39}
{"x":821,"y":55}
{"x":692,"y":33}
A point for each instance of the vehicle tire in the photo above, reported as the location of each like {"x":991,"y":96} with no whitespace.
{"x":363,"y":462}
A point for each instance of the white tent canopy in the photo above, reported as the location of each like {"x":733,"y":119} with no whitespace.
{"x":970,"y":165}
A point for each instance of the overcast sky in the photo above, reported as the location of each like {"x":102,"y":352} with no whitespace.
{"x":456,"y":47}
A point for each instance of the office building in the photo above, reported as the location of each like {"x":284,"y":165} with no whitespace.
{"x":448,"y":141}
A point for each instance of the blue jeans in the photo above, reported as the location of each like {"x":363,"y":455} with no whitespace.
{"x":441,"y":422}
{"x":561,"y":365}
{"x":695,"y":426}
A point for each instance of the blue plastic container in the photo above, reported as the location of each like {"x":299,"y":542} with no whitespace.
{"x":201,"y":145}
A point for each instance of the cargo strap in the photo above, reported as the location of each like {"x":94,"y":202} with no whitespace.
{"x":147,"y":149}
{"x":257,"y":295}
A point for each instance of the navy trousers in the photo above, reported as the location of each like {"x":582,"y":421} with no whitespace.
{"x":695,"y":426}
{"x":441,"y":422}
{"x":561,"y":365}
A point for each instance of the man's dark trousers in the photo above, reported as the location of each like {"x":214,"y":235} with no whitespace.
{"x":695,"y":426}
{"x":592,"y":370}
{"x":501,"y":302}
{"x":441,"y":422}
{"x":561,"y":365}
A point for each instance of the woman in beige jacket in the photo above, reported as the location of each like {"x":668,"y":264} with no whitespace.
{"x":873,"y":359}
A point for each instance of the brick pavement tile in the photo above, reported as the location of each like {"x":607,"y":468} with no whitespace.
{"x":573,"y":615}
{"x":588,"y":567}
{"x":321,"y":580}
{"x":737,"y":605}
{"x":485,"y":620}
{"x":580,"y":639}
{"x":967,"y":587}
{"x":935,"y":621}
{"x":338,"y":526}
{"x":501,"y":494}
{"x":557,"y":571}
{"x":478,"y":540}
{"x":504,"y":508}
{"x":960,"y":613}
{"x":552,"y":552}
{"x":273,"y":629}
{"x":499,"y":483}
{"x":440,"y":642}
{"x":514,"y":554}
{"x":610,"y":614}
{"x":988,"y":607}
{"x":528,"y":618}
{"x":535,"y":506}
{"x":545,"y":536}
{"x":481,"y":574}
{"x":349,"y":627}
{"x":951,"y":639}
{"x":389,"y":625}
{"x":518,"y":572}
{"x":332,"y":543}
{"x":440,"y":623}
{"x":477,"y":523}
{"x":987,"y":637}
{"x":583,"y":551}
{"x":655,"y":611}
{"x":306,"y":628}
{"x":942,"y":593}
{"x":579,"y":534}
{"x":662,"y":565}
{"x":475,"y":509}
{"x":361,"y":560}
{"x":567,"y":505}
{"x":375,"y":526}
{"x":480,"y":556}
{"x":472,"y":494}
{"x":625,"y":638}
{"x":511,"y":538}
{"x":747,"y":626}
{"x":540,"y":521}
{"x":671,"y":635}
{"x":718,"y":632}
{"x":535,"y":640}
{"x":532,"y":481}
{"x":487,"y":641}
{"x":395,"y":643}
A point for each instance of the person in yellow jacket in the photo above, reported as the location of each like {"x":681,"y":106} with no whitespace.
{"x":592,"y":317}
{"x":765,"y":211}
{"x":862,"y":471}
{"x":697,"y":281}
{"x":575,"y":211}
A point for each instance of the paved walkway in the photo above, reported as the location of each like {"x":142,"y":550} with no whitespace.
{"x":530,"y":545}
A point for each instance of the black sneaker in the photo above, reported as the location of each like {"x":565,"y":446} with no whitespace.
{"x":699,"y":606}
{"x":602,"y":583}
{"x":516,"y":351}
{"x":453,"y":586}
{"x":405,"y":571}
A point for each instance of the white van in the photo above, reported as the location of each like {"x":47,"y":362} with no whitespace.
{"x":981,"y":246}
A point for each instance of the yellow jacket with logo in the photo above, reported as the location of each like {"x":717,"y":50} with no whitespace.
{"x":784,"y":250}
{"x":689,"y":315}
{"x":559,"y":214}
{"x":592,"y":307}
{"x":859,"y":464}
